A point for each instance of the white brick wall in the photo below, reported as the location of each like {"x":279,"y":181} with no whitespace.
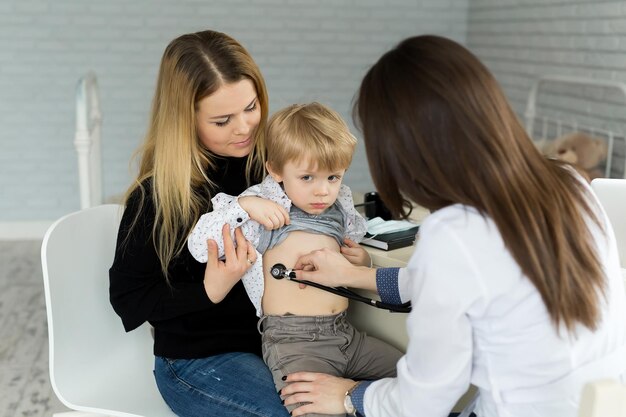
{"x":308,"y":50}
{"x":520,"y":40}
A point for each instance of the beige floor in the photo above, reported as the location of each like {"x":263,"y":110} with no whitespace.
{"x":25,"y":389}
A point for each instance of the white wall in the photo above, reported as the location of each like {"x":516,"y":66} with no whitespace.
{"x":307,"y":50}
{"x":520,"y":40}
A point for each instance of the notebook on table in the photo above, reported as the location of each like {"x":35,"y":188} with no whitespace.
{"x":389,"y":234}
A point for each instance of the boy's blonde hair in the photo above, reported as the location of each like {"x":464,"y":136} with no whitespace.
{"x":310,"y":132}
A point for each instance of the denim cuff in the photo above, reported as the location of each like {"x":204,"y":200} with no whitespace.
{"x":387,"y":285}
{"x":357,"y":397}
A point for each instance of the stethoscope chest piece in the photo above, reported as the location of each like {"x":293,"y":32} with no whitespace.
{"x":279,"y":271}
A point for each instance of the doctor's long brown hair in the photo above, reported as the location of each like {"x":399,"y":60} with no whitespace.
{"x":439,"y":131}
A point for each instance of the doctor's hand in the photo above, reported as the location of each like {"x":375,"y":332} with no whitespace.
{"x":221,"y":275}
{"x":271,"y":215}
{"x":321,"y":393}
{"x":330,"y":268}
{"x":355,"y":253}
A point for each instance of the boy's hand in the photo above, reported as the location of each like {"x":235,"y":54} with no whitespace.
{"x":265,"y":212}
{"x":355,"y":253}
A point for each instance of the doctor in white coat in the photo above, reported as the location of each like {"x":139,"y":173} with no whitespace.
{"x":515,"y":280}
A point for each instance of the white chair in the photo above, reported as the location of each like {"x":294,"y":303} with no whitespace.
{"x":604,"y":398}
{"x":612,"y":195}
{"x":95,"y":367}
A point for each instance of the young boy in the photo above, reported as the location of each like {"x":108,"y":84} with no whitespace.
{"x":309,"y":148}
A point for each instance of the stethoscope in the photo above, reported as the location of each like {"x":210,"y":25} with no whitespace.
{"x":280,"y":271}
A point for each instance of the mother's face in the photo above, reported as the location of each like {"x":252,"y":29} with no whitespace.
{"x":227,"y":120}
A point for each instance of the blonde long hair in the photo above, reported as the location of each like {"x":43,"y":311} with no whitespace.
{"x":193,"y":67}
{"x":439,"y":130}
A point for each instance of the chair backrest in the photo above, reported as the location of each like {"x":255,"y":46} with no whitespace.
{"x":604,"y":398}
{"x":94,"y":365}
{"x":612,"y":195}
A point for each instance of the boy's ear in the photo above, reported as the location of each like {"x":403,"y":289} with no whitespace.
{"x":277,"y":177}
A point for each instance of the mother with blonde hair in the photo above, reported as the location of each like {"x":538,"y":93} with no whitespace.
{"x":206,"y":136}
{"x":515,"y":281}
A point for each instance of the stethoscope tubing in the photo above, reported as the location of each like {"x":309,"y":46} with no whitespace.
{"x":343,"y":292}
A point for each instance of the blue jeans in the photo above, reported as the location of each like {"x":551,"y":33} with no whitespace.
{"x":228,"y":385}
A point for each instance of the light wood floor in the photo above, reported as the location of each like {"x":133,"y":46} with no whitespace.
{"x":25,"y":389}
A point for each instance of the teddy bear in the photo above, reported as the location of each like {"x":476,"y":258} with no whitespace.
{"x":585,"y":152}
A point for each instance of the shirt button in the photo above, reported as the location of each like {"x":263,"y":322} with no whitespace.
{"x":239,"y":219}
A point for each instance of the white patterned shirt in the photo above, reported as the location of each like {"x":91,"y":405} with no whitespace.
{"x":226,"y":209}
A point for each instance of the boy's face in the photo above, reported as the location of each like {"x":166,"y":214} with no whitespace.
{"x":310,"y":189}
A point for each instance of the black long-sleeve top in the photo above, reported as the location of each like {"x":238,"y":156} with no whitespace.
{"x":187,"y":324}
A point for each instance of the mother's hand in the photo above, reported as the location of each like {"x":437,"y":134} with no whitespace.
{"x":220,"y":276}
{"x":321,"y":393}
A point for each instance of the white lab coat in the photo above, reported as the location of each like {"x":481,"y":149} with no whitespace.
{"x":477,"y":319}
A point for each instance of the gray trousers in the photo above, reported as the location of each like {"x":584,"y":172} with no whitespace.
{"x":328,"y":344}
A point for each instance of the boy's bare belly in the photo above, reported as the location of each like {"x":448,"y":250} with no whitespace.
{"x":283,"y":296}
